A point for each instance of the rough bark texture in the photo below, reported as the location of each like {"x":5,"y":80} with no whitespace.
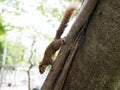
{"x":91,"y":61}
{"x":96,"y":65}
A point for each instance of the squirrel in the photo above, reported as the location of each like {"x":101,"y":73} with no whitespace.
{"x":57,"y":41}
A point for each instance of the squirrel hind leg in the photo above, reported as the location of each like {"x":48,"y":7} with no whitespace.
{"x":58,"y":43}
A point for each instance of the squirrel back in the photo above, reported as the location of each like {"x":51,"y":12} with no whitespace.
{"x":67,"y":14}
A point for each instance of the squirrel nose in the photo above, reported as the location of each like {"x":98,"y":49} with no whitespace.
{"x":41,"y":71}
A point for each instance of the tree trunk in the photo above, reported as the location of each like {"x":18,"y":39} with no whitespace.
{"x":91,"y":58}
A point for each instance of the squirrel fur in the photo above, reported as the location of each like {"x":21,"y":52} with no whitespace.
{"x":57,"y":41}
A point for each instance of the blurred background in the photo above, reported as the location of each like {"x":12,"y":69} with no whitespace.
{"x":26,"y":28}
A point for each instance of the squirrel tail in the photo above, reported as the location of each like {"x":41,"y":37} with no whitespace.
{"x":67,"y":14}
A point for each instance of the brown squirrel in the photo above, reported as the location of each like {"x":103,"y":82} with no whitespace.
{"x":57,"y":42}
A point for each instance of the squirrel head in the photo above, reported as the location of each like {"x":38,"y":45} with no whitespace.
{"x":42,"y":68}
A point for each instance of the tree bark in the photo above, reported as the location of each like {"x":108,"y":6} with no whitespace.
{"x":91,"y":58}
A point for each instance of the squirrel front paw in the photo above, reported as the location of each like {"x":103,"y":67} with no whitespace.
{"x":63,"y":41}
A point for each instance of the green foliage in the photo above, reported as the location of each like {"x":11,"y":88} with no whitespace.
{"x":2,"y":32}
{"x":56,"y":13}
{"x":2,"y":0}
{"x":2,"y":27}
{"x":41,"y":8}
{"x":15,"y":53}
